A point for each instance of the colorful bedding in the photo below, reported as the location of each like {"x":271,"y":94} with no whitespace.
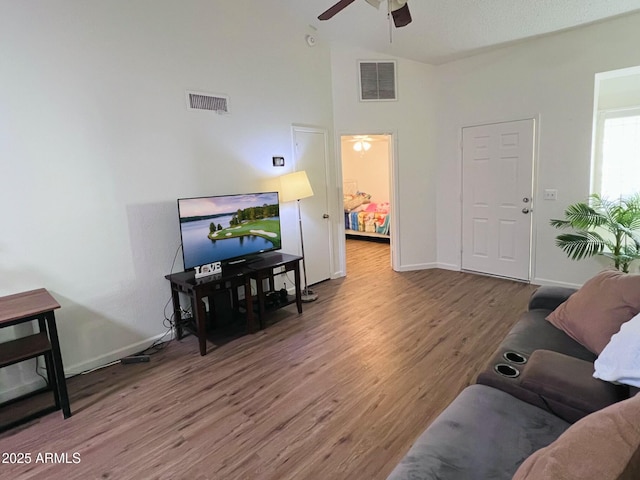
{"x":371,"y":220}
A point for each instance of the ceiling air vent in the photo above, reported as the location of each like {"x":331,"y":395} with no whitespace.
{"x":377,"y":80}
{"x":208,"y":101}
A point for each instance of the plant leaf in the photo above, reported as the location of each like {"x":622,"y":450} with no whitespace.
{"x":582,"y":217}
{"x":581,"y":244}
{"x":560,"y":223}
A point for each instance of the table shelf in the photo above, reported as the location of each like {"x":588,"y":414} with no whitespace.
{"x":26,"y":307}
{"x":24,"y":348}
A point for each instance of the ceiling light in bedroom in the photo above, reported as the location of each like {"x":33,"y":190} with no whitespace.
{"x":361,"y":146}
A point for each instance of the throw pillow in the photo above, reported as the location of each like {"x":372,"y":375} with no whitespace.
{"x":620,"y":360}
{"x":604,"y":445}
{"x":595,"y":312}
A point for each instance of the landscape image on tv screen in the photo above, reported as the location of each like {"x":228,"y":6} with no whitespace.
{"x":228,"y":227}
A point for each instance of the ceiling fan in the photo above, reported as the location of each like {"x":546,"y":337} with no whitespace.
{"x":398,"y":9}
{"x":362,"y":143}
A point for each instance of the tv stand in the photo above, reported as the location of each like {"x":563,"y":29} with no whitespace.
{"x":265,"y":267}
{"x":242,"y":261}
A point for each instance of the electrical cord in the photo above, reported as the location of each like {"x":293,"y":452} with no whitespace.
{"x":168,"y":322}
{"x":46,"y":380}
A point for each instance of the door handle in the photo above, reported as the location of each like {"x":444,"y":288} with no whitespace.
{"x":525,"y":210}
{"x":326,"y":215}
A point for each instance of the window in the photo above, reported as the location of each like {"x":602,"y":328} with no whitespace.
{"x":616,"y":169}
{"x":615,"y":166}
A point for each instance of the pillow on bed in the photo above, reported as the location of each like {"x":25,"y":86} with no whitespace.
{"x":595,"y":312}
{"x":351,"y":202}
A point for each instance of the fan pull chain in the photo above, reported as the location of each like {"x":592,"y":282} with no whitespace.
{"x":390,"y":22}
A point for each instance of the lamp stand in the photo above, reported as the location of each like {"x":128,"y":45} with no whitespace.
{"x":307,"y":295}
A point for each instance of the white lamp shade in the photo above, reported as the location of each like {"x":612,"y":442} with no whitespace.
{"x":295,"y":186}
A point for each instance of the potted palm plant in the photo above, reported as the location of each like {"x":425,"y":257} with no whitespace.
{"x":602,"y":227}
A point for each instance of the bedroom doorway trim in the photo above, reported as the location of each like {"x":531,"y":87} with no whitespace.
{"x":394,"y":224}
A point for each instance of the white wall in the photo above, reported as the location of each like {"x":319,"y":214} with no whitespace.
{"x":96,"y":144}
{"x":621,"y":91}
{"x":370,"y":169}
{"x":410,"y":119}
{"x":552,"y":79}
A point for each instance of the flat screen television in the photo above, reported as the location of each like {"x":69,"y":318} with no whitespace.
{"x":228,"y":228}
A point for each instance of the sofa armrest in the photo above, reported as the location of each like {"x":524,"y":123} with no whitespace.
{"x":549,"y":298}
{"x":566,"y":385}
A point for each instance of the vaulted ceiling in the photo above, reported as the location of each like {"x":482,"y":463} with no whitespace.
{"x":445,"y":30}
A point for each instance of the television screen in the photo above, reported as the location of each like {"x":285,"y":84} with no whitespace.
{"x":228,"y":227}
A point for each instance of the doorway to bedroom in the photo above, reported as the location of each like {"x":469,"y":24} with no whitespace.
{"x":367,"y":192}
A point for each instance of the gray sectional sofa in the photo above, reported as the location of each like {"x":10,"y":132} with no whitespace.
{"x":537,"y":384}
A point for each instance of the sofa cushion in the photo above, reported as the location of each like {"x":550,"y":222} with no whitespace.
{"x":604,"y":446}
{"x":484,"y":433}
{"x":532,"y":332}
{"x":596,"y":311}
{"x":549,"y":297}
{"x":566,"y":385}
{"x":620,"y":359}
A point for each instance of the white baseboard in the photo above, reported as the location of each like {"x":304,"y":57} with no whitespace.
{"x":337,"y":274}
{"x":33,"y":384}
{"x":448,"y":266}
{"x":553,"y":283}
{"x":115,"y":355}
{"x":428,"y":266}
{"x":416,"y":266}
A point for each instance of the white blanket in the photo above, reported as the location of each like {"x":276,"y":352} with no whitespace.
{"x":620,"y":360}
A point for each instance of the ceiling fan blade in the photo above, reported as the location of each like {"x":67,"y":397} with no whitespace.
{"x":401,"y":16}
{"x":331,"y":11}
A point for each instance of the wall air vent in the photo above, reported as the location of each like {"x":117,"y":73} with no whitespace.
{"x":377,"y":80}
{"x":207,"y":101}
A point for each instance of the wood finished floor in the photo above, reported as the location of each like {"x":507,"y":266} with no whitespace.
{"x":340,"y":392}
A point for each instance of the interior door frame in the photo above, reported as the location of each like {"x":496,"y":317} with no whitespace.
{"x":327,"y":181}
{"x":535,"y":198}
{"x":394,"y":224}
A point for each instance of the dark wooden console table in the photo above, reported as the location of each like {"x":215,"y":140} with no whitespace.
{"x":232,"y":278}
{"x":265,"y":269}
{"x":25,"y":307}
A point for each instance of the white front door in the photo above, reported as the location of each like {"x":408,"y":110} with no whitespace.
{"x":311,"y":155}
{"x":497,"y":186}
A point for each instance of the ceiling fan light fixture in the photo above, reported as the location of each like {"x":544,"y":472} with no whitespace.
{"x":396,"y":4}
{"x":361,"y":146}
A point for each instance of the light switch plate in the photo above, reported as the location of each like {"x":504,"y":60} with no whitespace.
{"x":550,"y":194}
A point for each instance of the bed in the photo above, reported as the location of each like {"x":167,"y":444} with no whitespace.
{"x":363,"y":215}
